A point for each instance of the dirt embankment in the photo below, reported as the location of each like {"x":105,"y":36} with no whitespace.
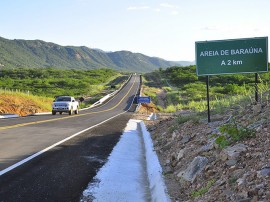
{"x":14,"y":104}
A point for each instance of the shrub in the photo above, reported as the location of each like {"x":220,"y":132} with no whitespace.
{"x":182,"y":119}
{"x":222,"y":141}
{"x":232,"y":133}
{"x":203,"y":190}
{"x":236,"y":133}
{"x":170,"y":109}
{"x":179,"y":106}
{"x":166,"y":88}
{"x":160,"y":108}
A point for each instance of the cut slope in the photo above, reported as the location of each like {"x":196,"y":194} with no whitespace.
{"x":23,"y":105}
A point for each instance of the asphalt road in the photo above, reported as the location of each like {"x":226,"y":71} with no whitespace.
{"x":62,"y":172}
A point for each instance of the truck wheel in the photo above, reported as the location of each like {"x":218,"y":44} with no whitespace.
{"x":77,"y":111}
{"x":70,"y":112}
{"x":60,"y":112}
{"x":53,"y":113}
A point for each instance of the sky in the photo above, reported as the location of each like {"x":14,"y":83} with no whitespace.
{"x":162,"y":28}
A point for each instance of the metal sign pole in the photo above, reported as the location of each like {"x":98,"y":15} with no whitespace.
{"x":208,"y":99}
{"x":256,"y":87}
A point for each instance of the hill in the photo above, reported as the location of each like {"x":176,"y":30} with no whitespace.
{"x":41,"y":54}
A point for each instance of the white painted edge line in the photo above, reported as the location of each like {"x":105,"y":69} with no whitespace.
{"x":2,"y":172}
{"x":154,"y":170}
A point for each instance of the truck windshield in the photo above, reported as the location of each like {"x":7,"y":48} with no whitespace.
{"x":59,"y":99}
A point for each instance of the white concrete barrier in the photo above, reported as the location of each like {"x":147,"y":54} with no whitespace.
{"x":4,"y":116}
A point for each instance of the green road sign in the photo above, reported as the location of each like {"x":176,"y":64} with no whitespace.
{"x":232,"y":56}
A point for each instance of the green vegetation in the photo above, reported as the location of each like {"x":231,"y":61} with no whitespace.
{"x":170,"y":109}
{"x":185,"y":90}
{"x":237,"y":133}
{"x":180,"y":119}
{"x":232,"y":133}
{"x":203,"y":190}
{"x":51,"y":82}
{"x":152,"y":92}
{"x":222,"y":141}
{"x":193,"y":87}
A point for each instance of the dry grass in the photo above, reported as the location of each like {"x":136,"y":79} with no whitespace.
{"x":23,"y":104}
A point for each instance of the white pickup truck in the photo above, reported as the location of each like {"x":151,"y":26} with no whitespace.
{"x":65,"y":104}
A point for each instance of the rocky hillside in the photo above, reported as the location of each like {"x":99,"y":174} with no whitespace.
{"x":225,"y":160}
{"x":40,"y":54}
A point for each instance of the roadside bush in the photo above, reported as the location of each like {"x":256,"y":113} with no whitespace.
{"x":170,"y":109}
{"x":222,"y":141}
{"x":179,"y":106}
{"x":232,"y":133}
{"x":160,"y":108}
{"x":237,"y":133}
{"x":166,"y":88}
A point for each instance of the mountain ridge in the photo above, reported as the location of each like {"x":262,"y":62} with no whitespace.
{"x":41,"y":54}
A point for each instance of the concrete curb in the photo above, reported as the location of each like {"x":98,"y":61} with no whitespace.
{"x":153,"y":116}
{"x":5,"y":116}
{"x":106,"y":97}
{"x":154,"y":170}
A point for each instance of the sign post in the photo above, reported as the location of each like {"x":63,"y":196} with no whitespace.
{"x":208,"y":98}
{"x":256,"y":87}
{"x":234,"y":56}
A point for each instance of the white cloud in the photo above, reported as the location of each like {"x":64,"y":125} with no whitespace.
{"x":138,"y":8}
{"x":174,"y":13}
{"x":209,"y":28}
{"x":166,"y":5}
{"x":171,"y":9}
